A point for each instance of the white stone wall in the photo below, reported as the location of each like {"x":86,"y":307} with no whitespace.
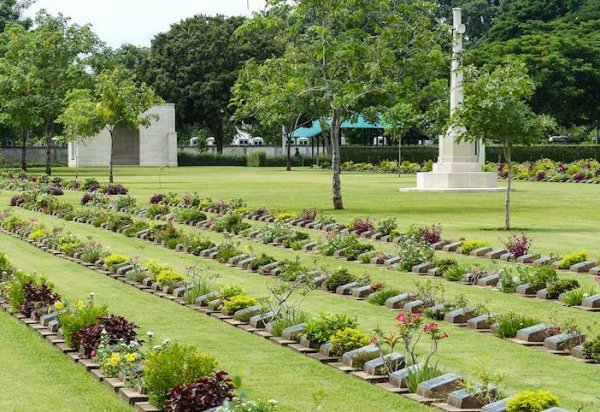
{"x":158,"y":143}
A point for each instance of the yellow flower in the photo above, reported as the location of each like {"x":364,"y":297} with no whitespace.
{"x":131,"y":357}
{"x":58,"y":305}
{"x":115,"y":359}
{"x":80,"y":304}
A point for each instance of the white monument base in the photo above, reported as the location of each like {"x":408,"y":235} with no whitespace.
{"x":456,"y":182}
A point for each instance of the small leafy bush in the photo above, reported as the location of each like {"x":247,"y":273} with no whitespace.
{"x":413,"y":250}
{"x":228,"y":292}
{"x":173,"y":365}
{"x":455,"y":273}
{"x":190,"y":215}
{"x":115,"y":259}
{"x":532,"y":401}
{"x":518,"y":245}
{"x":510,"y":323}
{"x":37,"y":297}
{"x":238,"y":302}
{"x":471,"y":245}
{"x":319,"y":330}
{"x":292,"y":270}
{"x":230,"y":222}
{"x":340,"y":277}
{"x":574,"y":297}
{"x":168,"y":277}
{"x":563,"y":285}
{"x":260,"y":261}
{"x":431,"y":234}
{"x":354,"y":251}
{"x":117,"y":329}
{"x":543,"y":276}
{"x":386,"y":226}
{"x":362,"y":225}
{"x":207,"y":392}
{"x":573,"y":259}
{"x":348,"y":339}
{"x":75,"y":319}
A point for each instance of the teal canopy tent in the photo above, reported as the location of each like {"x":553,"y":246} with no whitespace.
{"x":315,"y":128}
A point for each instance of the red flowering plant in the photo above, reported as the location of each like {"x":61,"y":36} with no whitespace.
{"x":518,"y":245}
{"x":362,"y":225}
{"x":410,"y":329}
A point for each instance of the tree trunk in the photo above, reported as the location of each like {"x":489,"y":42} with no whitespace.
{"x":288,"y":144}
{"x":24,"y":152}
{"x":48,"y":133}
{"x":110,"y":162}
{"x":335,"y":160}
{"x":508,"y":157}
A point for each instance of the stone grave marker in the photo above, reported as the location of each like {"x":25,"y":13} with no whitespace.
{"x":535,"y":334}
{"x":460,"y":315}
{"x":582,"y":267}
{"x":377,"y":366}
{"x":440,"y":387}
{"x":495,"y":254}
{"x":252,"y":310}
{"x":346,"y":289}
{"x":482,"y":322}
{"x":591,"y":303}
{"x":498,"y":406}
{"x":348,"y":358}
{"x":528,"y":258}
{"x":545,"y":294}
{"x":563,"y":341}
{"x":463,"y":399}
{"x":293,"y":332}
{"x":526,"y":289}
{"x":422,"y":267}
{"x":546,"y":260}
{"x":260,"y":321}
{"x":204,"y":299}
{"x":489,"y":280}
{"x":452,"y":247}
{"x":398,"y":378}
{"x":362,"y":292}
{"x":481,"y":251}
{"x":414,"y":306}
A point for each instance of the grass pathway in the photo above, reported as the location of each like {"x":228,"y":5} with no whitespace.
{"x":523,"y":367}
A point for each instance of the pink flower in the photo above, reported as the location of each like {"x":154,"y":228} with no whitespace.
{"x":373,"y":341}
{"x":430,"y":327}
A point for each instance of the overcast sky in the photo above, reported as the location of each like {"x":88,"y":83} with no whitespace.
{"x":137,"y":21}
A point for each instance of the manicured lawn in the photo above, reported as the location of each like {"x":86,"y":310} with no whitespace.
{"x":560,"y":217}
{"x":523,"y":367}
{"x":36,"y":377}
{"x":268,"y":371}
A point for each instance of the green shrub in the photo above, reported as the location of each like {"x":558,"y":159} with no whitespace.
{"x":543,"y":276}
{"x":168,"y":277}
{"x":379,"y":297}
{"x":532,"y":401}
{"x":155,"y":267}
{"x":320,"y":329}
{"x":257,"y":158}
{"x":73,"y":320}
{"x":386,"y":226}
{"x":413,"y":250}
{"x":591,"y":348}
{"x":115,"y":259}
{"x":510,"y":323}
{"x":340,"y":277}
{"x":348,"y":339}
{"x":574,"y":297}
{"x":174,"y":365}
{"x":230,"y":222}
{"x":563,"y":285}
{"x":238,"y":302}
{"x":444,"y":264}
{"x":511,"y":277}
{"x":230,"y":291}
{"x":357,"y":249}
{"x":572,"y":259}
{"x":471,"y":245}
{"x":455,"y":273}
{"x":190,"y":215}
{"x":260,"y":261}
{"x":157,"y":210}
{"x":292,"y":269}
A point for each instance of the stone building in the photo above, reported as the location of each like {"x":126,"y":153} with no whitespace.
{"x":155,"y":145}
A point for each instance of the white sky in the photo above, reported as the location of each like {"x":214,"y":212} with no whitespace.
{"x":137,"y":21}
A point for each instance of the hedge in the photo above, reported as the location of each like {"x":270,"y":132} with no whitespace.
{"x":417,"y":154}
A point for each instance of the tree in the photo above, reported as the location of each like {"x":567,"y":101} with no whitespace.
{"x":559,"y":41}
{"x":359,"y":58}
{"x":119,"y":102}
{"x":11,"y":11}
{"x":195,"y":65}
{"x":19,"y":88}
{"x":257,"y":94}
{"x":496,"y":110}
{"x":79,"y":120}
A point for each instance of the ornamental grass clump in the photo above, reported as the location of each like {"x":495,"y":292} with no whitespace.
{"x":510,"y":323}
{"x":286,"y":319}
{"x":171,"y":365}
{"x":574,"y":297}
{"x":379,"y":297}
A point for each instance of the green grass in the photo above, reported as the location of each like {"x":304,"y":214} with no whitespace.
{"x":36,"y":377}
{"x":523,"y":367}
{"x":560,"y":217}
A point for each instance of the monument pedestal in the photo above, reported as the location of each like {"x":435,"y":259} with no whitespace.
{"x":456,"y":182}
